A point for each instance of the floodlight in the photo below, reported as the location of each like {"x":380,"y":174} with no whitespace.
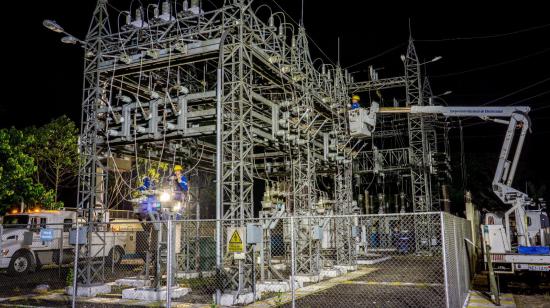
{"x":69,"y":39}
{"x":52,"y":25}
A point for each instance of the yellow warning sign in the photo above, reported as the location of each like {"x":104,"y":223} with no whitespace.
{"x":236,"y":240}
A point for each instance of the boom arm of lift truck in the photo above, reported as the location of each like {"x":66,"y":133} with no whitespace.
{"x":515,"y":117}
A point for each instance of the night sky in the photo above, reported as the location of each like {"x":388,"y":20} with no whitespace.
{"x":504,"y":60}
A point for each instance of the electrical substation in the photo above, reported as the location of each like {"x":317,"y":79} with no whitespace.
{"x":303,"y":186}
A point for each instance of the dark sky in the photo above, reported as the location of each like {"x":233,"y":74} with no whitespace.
{"x":43,"y":77}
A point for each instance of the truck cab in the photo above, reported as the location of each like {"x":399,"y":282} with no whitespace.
{"x":34,"y":238}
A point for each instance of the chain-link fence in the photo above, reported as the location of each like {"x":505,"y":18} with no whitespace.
{"x":458,"y":251}
{"x":392,"y":260}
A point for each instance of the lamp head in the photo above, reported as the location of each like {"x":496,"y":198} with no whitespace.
{"x":52,"y":25}
{"x":69,"y":39}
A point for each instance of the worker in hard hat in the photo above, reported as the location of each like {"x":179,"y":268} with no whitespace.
{"x":355,"y":102}
{"x":181,"y":193}
{"x":181,"y":180}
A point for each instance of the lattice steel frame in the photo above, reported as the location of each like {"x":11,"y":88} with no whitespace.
{"x":90,"y":192}
{"x":251,"y":51}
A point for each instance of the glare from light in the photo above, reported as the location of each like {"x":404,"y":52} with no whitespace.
{"x":165,"y":197}
{"x":177,"y":207}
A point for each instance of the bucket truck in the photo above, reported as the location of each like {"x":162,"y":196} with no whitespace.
{"x":530,"y":227}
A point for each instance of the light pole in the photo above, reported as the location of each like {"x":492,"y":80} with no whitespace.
{"x":440,"y":97}
{"x":68,"y":38}
{"x":435,"y":59}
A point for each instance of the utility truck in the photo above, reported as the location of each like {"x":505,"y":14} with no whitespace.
{"x":519,"y":239}
{"x":35,"y":238}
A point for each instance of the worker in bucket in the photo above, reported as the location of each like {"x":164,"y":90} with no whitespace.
{"x":355,"y":102}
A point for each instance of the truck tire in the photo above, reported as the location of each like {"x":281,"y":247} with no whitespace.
{"x":115,"y":256}
{"x":20,"y":264}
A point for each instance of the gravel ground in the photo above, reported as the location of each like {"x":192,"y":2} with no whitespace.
{"x":374,"y":296}
{"x":532,"y":301}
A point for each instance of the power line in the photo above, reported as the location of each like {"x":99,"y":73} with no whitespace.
{"x":534,"y":96}
{"x":486,"y":36}
{"x":519,"y":102}
{"x":517,"y":91}
{"x":543,"y":132}
{"x":492,"y":65}
{"x":378,"y":55}
{"x":114,"y":8}
{"x":540,"y":108}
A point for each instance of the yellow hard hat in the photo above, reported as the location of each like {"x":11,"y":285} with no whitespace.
{"x":355,"y":98}
{"x":178,"y":168}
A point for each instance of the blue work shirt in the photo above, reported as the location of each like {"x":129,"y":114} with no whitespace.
{"x":147,"y":184}
{"x":182,"y":183}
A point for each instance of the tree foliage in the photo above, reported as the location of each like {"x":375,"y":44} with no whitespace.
{"x":55,"y":151}
{"x":36,"y":163}
{"x":16,"y":172}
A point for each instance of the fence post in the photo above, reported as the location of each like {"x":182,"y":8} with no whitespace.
{"x":457,"y":258}
{"x":113,"y":255}
{"x":169,"y":255}
{"x":445,"y":257}
{"x":75,"y":266}
{"x":61,"y":256}
{"x":292,"y":262}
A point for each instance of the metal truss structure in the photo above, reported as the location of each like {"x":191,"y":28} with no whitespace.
{"x":408,"y":156}
{"x":239,"y":98}
{"x":227,"y":93}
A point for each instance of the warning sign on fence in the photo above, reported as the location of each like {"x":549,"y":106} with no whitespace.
{"x":236,"y":239}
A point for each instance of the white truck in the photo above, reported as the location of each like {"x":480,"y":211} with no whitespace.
{"x":32,"y":239}
{"x":519,"y":240}
{"x":505,"y":260}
